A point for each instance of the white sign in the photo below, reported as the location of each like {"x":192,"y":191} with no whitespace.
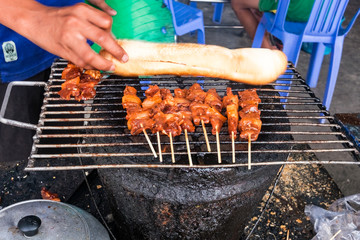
{"x":9,"y":50}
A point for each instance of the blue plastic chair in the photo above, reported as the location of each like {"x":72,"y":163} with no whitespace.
{"x":186,"y":19}
{"x":323,"y":29}
{"x":218,"y":9}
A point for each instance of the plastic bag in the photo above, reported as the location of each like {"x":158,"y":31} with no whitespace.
{"x":341,"y":219}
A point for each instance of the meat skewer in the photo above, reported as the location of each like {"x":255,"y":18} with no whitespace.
{"x":179,"y":106}
{"x":159,"y":125}
{"x":197,"y":96}
{"x":168,"y":113}
{"x":138,"y":119}
{"x":171,"y":123}
{"x":213,"y":100}
{"x":217,"y":120}
{"x":153,"y":97}
{"x":231,"y":102}
{"x":205,"y":108}
{"x":183,"y":106}
{"x":250,"y":123}
{"x":161,"y":101}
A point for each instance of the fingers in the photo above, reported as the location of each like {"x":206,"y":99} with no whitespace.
{"x":103,"y":5}
{"x":92,"y":24}
{"x":101,"y":37}
{"x":89,"y":59}
{"x":106,"y":41}
{"x":92,"y":15}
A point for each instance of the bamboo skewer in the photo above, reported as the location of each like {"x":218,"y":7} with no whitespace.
{"x":159,"y":146}
{"x":188,"y":147}
{"x":218,"y":146}
{"x":172,"y":148}
{"x":149,"y":142}
{"x":206,"y":136}
{"x":233,"y":146}
{"x":287,"y":235}
{"x":249,"y":152}
{"x":337,"y":233}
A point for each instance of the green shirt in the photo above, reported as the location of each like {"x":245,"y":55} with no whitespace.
{"x":299,"y":10}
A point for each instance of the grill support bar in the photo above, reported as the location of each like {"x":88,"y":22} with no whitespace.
{"x":87,"y":167}
{"x":6,"y":100}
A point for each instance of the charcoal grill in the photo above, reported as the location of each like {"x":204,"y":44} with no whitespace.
{"x":70,"y":134}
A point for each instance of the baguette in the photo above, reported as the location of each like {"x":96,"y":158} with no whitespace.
{"x":255,"y":66}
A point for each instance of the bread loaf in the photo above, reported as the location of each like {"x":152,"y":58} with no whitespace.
{"x":255,"y":66}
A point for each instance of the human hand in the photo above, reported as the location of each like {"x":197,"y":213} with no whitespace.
{"x":65,"y":31}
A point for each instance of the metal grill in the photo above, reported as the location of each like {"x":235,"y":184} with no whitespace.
{"x":83,"y":135}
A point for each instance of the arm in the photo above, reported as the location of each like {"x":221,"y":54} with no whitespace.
{"x":64,"y":31}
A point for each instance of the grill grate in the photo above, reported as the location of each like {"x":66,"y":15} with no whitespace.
{"x":83,"y":135}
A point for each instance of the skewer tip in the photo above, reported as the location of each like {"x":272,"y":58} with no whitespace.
{"x":148,"y":140}
{"x":159,"y":146}
{"x":172,"y":148}
{"x":188,"y":147}
{"x":233,"y":146}
{"x":249,"y":152}
{"x":206,"y":136}
{"x":218,"y":146}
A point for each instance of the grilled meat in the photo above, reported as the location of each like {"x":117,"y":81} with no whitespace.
{"x":231,"y":102}
{"x":79,"y":84}
{"x":250,"y":123}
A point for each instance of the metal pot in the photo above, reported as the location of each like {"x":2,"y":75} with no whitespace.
{"x":45,"y":219}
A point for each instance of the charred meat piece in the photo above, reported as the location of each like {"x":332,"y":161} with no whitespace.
{"x":199,"y":112}
{"x":70,"y":88}
{"x":216,"y":119}
{"x":250,"y":126}
{"x":138,"y":121}
{"x":153,"y":97}
{"x":130,"y":99}
{"x":231,"y":103}
{"x":196,"y":94}
{"x":79,"y":84}
{"x":250,"y":123}
{"x":181,"y":93}
{"x":213,"y":99}
{"x":248,"y":97}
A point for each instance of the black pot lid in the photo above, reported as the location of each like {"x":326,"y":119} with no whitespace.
{"x":45,"y":219}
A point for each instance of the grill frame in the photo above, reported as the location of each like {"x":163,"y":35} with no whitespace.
{"x":303,"y":109}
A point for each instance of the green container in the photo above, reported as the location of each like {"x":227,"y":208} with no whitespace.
{"x":148,"y":20}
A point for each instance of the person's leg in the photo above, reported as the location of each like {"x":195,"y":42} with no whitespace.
{"x":249,"y":16}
